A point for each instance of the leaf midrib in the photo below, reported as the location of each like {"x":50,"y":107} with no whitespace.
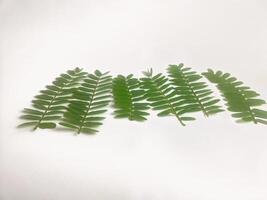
{"x":168,"y":101}
{"x":244,"y":99}
{"x":51,"y":102}
{"x":89,"y":106}
{"x":194,"y":94}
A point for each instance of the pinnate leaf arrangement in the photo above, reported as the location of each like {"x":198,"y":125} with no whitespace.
{"x":78,"y":101}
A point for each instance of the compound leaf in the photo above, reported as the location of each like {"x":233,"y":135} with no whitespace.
{"x":239,"y":99}
{"x":84,"y":112}
{"x":50,"y":104}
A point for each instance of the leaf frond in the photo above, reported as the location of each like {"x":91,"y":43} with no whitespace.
{"x":129,"y":98}
{"x":84,"y":112}
{"x":239,"y":99}
{"x":49,"y":105}
{"x":191,"y":91}
{"x":161,"y":96}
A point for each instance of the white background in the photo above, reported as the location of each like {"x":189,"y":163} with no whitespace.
{"x":209,"y":159}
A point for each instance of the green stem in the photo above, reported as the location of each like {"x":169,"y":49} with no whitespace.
{"x":169,"y":103}
{"x":89,"y":106}
{"x":195,"y":95}
{"x":48,"y":107}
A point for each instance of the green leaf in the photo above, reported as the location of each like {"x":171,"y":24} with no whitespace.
{"x":255,"y":102}
{"x":89,"y":130}
{"x":88,"y":104}
{"x":46,"y":125}
{"x":32,"y":111}
{"x":188,"y":118}
{"x":189,"y":89}
{"x":165,"y":113}
{"x":128,"y":98}
{"x":68,"y":125}
{"x":30,"y":117}
{"x":48,"y":118}
{"x":161,"y":95}
{"x":260,"y":113}
{"x":51,"y":103}
{"x":239,"y":99}
{"x":262,"y":121}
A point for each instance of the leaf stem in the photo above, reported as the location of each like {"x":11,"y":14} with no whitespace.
{"x":48,"y":107}
{"x":195,"y":95}
{"x":170,"y":105}
{"x":89,"y":106}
